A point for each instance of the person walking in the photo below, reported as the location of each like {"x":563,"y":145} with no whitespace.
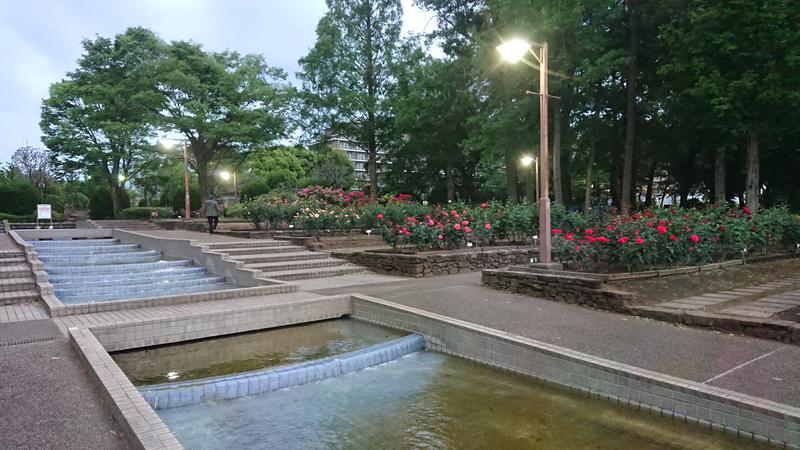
{"x":211,"y":211}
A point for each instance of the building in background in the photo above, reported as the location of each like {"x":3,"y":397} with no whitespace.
{"x":357,"y":156}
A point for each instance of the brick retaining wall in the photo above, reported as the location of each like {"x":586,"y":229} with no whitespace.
{"x":563,"y":286}
{"x":419,"y":265}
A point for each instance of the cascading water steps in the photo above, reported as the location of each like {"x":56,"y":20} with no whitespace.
{"x":99,"y":270}
{"x":175,"y":395}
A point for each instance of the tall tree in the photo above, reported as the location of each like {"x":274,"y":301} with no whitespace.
{"x":35,"y":166}
{"x":348,"y":75}
{"x":99,"y":118}
{"x":741,"y":60}
{"x":224,"y":104}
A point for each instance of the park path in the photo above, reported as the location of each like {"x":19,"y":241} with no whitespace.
{"x":762,"y":368}
{"x":760,"y":302}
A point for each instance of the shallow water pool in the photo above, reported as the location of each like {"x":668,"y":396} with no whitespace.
{"x":429,"y":400}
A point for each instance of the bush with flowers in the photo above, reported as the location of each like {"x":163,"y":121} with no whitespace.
{"x":669,"y":237}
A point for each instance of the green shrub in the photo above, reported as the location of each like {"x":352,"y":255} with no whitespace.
{"x":100,"y":206}
{"x":146,"y":212}
{"x":19,"y":197}
{"x":77,"y":200}
{"x":29,"y":218}
{"x":234,"y":210}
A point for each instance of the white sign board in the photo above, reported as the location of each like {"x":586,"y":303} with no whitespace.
{"x":43,"y":212}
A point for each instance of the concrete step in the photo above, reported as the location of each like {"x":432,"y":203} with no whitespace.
{"x":321,"y":272}
{"x":240,"y":252}
{"x":14,"y":297}
{"x":260,"y":250}
{"x":126,"y":224}
{"x":12,"y":260}
{"x":245,"y":244}
{"x":296,"y":265}
{"x":14,"y":270}
{"x":275,"y":257}
{"x":111,"y":258}
{"x":17,"y":284}
{"x":7,"y":255}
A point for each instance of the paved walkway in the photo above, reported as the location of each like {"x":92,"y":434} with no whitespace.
{"x":48,"y":400}
{"x":761,"y":302}
{"x":766,"y":369}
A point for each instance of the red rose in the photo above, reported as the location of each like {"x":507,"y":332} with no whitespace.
{"x":577,"y":248}
{"x":623,"y":240}
{"x":691,"y":249}
{"x":694,"y":238}
{"x":441,"y":237}
{"x":672,"y":237}
{"x":639,"y":241}
{"x":464,"y":222}
{"x":488,"y":226}
{"x":556,"y":231}
{"x":588,"y":231}
{"x":661,"y":229}
{"x":467,"y":230}
{"x":569,"y":236}
{"x":457,"y":227}
{"x":484,"y":205}
{"x":380,"y":216}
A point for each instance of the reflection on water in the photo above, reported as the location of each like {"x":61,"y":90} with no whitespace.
{"x":251,"y":351}
{"x":428,"y":400}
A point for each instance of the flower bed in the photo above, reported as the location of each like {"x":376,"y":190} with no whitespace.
{"x":597,"y":241}
{"x":663,"y":238}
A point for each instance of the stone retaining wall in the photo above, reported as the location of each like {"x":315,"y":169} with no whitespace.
{"x":561,"y":286}
{"x":419,"y":265}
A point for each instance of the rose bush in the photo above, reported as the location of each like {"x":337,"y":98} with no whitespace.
{"x":663,"y":237}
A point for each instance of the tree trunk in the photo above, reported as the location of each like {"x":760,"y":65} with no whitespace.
{"x":587,"y":194}
{"x":752,"y":184}
{"x":630,"y":107}
{"x":511,"y":175}
{"x":558,"y":182}
{"x":201,"y":166}
{"x":115,"y":200}
{"x":648,"y":198}
{"x":451,"y":185}
{"x":720,"y":198}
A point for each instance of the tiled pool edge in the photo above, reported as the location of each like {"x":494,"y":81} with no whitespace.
{"x":721,"y":409}
{"x":143,"y":427}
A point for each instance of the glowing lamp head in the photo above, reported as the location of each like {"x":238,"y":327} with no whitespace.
{"x":168,"y":144}
{"x":526,"y":160}
{"x":513,"y":50}
{"x":225,"y":175}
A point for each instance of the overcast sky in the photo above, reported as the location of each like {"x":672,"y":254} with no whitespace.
{"x":40,"y":41}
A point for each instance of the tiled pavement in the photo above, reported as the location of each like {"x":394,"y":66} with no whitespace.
{"x":762,"y":301}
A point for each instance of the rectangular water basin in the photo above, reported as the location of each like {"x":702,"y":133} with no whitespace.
{"x":249,"y":351}
{"x":430,"y":400}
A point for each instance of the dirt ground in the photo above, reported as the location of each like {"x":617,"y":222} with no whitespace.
{"x":658,"y":290}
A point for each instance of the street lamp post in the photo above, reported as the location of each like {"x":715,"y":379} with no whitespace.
{"x":513,"y":51}
{"x":187,"y":208}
